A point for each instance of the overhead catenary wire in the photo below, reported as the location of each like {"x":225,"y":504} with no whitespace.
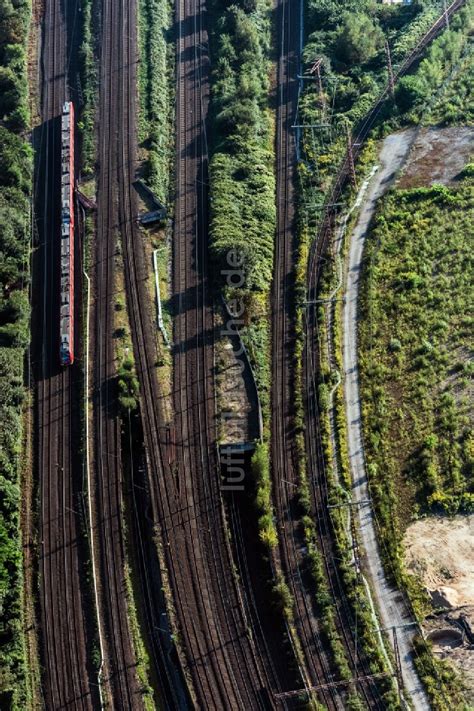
{"x":363,"y":131}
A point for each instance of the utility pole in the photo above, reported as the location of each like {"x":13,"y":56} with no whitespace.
{"x":316,"y":69}
{"x":391,"y":78}
{"x":446,"y":15}
{"x":350,"y":154}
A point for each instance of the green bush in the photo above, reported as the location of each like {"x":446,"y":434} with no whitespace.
{"x":283,"y":599}
{"x":263,"y":500}
{"x":409,"y":93}
{"x":359,"y":38}
{"x":241,"y":174}
{"x":128,"y":387}
{"x":156,"y":48}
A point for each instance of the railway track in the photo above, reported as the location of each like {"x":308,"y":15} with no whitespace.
{"x":219,"y":653}
{"x":194,"y":382}
{"x":119,"y":674}
{"x":65,"y":632}
{"x":314,"y":445}
{"x":316,"y":655}
{"x":346,"y":621}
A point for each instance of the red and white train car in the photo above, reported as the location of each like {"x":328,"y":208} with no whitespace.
{"x":66,"y":318}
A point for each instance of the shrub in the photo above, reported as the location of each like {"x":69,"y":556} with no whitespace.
{"x":128,"y":387}
{"x":359,"y":39}
{"x":242,"y":182}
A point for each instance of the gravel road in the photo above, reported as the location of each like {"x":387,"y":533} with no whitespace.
{"x":392,"y":610}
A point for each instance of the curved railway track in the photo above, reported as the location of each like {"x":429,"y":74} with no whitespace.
{"x":316,"y":457}
{"x":318,"y":658}
{"x":316,"y":655}
{"x":67,"y":675}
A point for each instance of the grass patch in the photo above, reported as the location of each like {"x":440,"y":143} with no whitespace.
{"x":141,"y":654}
{"x":415,"y":356}
{"x":263,"y":499}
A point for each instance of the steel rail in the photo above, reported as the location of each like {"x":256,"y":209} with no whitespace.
{"x":285,"y":471}
{"x":201,"y":596}
{"x":140,"y":327}
{"x":313,"y":439}
{"x":137,"y":298}
{"x":120,"y":677}
{"x":65,"y":673}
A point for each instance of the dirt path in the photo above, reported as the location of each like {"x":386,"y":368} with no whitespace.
{"x":392,"y":610}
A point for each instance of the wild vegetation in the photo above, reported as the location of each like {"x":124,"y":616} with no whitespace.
{"x":242,"y":192}
{"x":349,"y":39}
{"x":444,"y":60}
{"x":156,"y":52}
{"x":415,"y":352}
{"x":444,"y":687}
{"x":354,"y":73}
{"x":242,"y":179}
{"x":455,"y":104}
{"x":15,"y":230}
{"x":14,"y":23}
{"x":241,"y":172}
{"x":89,"y":81}
{"x":127,"y":386}
{"x":263,"y":499}
{"x":415,"y":359}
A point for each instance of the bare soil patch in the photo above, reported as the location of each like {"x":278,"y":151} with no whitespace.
{"x":440,"y":551}
{"x":452,"y":636}
{"x":438,"y":155}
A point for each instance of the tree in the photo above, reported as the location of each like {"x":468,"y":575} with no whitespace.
{"x":10,"y":92}
{"x":410,"y":91}
{"x":359,"y":39}
{"x":15,"y":161}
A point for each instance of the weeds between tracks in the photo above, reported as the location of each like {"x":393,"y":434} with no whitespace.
{"x":243,"y":213}
{"x":89,"y":83}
